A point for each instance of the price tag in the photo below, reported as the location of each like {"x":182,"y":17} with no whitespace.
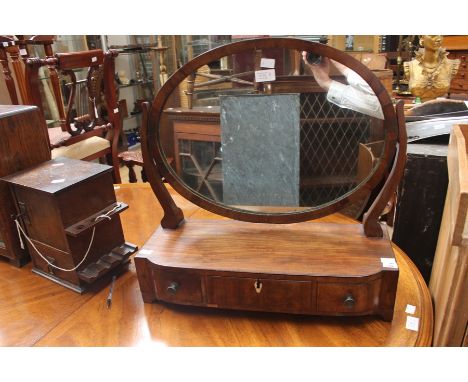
{"x":5,"y":44}
{"x":116,"y":187}
{"x":410,"y":309}
{"x":267,"y":63}
{"x":116,"y":110}
{"x":146,"y":251}
{"x":412,"y":323}
{"x":389,"y":262}
{"x":58,"y":181}
{"x":23,"y":52}
{"x":265,"y":75}
{"x":93,"y":59}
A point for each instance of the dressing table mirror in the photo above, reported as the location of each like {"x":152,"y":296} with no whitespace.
{"x":249,"y":132}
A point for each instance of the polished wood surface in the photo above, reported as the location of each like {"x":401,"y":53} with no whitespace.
{"x":36,"y":312}
{"x":23,"y":143}
{"x":449,"y":277}
{"x":309,"y":268}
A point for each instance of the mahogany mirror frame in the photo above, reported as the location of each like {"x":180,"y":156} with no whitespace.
{"x":157,"y":167}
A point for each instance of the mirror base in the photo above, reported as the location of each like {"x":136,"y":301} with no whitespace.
{"x":311,"y":268}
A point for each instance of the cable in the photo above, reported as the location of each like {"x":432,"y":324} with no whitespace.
{"x":106,"y":215}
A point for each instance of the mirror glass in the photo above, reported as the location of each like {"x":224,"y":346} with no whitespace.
{"x":275,"y":131}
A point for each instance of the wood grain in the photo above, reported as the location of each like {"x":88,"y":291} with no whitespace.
{"x":449,"y":278}
{"x":36,"y":312}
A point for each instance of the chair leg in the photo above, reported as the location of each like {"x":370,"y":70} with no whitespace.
{"x":143,"y":175}
{"x":113,"y":160}
{"x":131,"y":172}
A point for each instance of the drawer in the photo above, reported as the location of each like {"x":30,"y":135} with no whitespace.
{"x":261,"y":294}
{"x":178,"y":286}
{"x":344,"y":298}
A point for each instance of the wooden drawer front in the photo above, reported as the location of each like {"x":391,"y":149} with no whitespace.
{"x":274,"y":295}
{"x":343,"y":298}
{"x":180,"y":287}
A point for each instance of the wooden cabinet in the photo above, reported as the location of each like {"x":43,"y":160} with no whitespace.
{"x":23,"y":143}
{"x":68,"y":210}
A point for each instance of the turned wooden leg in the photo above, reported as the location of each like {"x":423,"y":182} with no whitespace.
{"x":143,"y":175}
{"x":131,"y":172}
{"x":9,"y":81}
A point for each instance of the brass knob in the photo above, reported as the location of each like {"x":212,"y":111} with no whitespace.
{"x":172,"y":288}
{"x":349,"y":301}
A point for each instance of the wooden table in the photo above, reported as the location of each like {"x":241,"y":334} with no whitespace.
{"x":37,"y":312}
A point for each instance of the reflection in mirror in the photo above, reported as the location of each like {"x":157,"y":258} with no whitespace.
{"x":268,"y":131}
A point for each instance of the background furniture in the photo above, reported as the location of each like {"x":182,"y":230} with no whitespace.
{"x":65,"y":318}
{"x":23,"y":143}
{"x":9,"y":48}
{"x":457,"y":46}
{"x":92,"y":121}
{"x":132,"y":159}
{"x":449,"y":279}
{"x":16,"y":47}
{"x":420,"y":203}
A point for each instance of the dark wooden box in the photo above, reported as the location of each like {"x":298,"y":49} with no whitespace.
{"x":23,"y":143}
{"x":59,"y":203}
{"x":420,"y":203}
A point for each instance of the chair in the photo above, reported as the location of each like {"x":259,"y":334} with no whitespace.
{"x":16,"y":47}
{"x":8,"y":47}
{"x":91,"y":124}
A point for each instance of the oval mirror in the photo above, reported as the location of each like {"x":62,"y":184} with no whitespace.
{"x":273,"y":130}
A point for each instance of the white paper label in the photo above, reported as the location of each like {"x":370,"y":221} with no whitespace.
{"x":93,"y":59}
{"x":410,"y":309}
{"x":389,"y":262}
{"x":12,"y":43}
{"x":116,"y":187}
{"x":5,"y":44}
{"x":146,"y":251}
{"x":265,"y":75}
{"x":412,"y":323}
{"x":58,"y":181}
{"x":116,"y":110}
{"x":23,"y":52}
{"x":267,"y":63}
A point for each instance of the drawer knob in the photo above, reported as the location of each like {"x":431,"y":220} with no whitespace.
{"x":349,"y":301}
{"x":172,"y":288}
{"x":258,"y":286}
